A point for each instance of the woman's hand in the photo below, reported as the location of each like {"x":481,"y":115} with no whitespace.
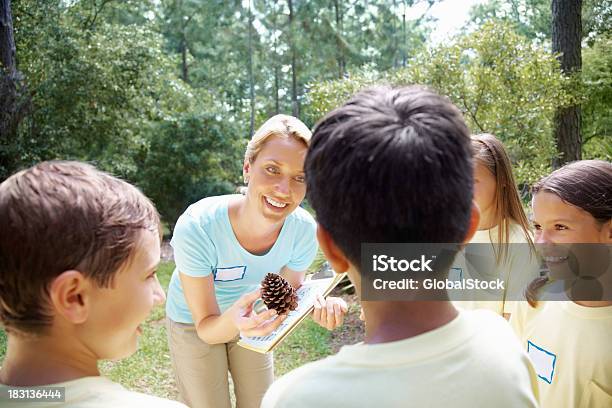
{"x":329,"y":313}
{"x":250,"y":323}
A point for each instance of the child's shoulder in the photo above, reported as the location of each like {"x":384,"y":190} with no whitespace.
{"x":484,"y":317}
{"x":101,"y":391}
{"x":298,"y":385}
{"x":98,"y":392}
{"x":492,"y":333}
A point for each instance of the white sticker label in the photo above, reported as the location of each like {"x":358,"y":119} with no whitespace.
{"x":543,"y":361}
{"x":230,"y":274}
{"x":455,"y":274}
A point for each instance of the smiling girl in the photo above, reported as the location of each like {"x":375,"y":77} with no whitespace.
{"x":223,"y":248}
{"x":569,"y":342}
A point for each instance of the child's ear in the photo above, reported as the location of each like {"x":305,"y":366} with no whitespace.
{"x":607,"y":231}
{"x":333,"y":254}
{"x":69,"y":293}
{"x":246,"y":170}
{"x":474,"y":221}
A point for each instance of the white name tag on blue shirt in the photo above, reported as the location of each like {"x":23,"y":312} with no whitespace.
{"x":543,"y":361}
{"x":229,"y":274}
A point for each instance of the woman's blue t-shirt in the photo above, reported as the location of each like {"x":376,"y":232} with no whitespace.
{"x":205,"y":243}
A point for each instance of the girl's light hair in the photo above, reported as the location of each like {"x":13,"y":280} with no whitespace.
{"x":490,"y":152}
{"x":278,"y":125}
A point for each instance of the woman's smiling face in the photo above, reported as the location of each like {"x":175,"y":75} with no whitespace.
{"x":276,"y":177}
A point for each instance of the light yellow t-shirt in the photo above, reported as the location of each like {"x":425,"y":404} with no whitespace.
{"x":93,"y":392}
{"x":571,"y":348}
{"x":518,"y":270}
{"x":473,"y":361}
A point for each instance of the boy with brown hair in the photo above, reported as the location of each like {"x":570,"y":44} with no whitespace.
{"x":78,"y":253}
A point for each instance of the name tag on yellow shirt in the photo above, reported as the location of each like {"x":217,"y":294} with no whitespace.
{"x":543,"y":361}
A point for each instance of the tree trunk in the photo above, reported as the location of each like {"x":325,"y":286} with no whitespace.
{"x":275,"y":60}
{"x":184,"y":66}
{"x":404,"y":44}
{"x":295,"y":107}
{"x":339,"y":46}
{"x":13,"y":105}
{"x":566,"y":37}
{"x":251,"y":79}
{"x":7,"y":42}
{"x":394,"y":39}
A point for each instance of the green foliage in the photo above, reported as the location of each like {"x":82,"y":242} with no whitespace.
{"x":184,"y":162}
{"x":596,"y":19}
{"x":95,"y":95}
{"x":505,"y":85}
{"x":3,"y":343}
{"x":105,"y":90}
{"x":596,"y":113}
{"x":158,"y":91}
{"x":98,"y":88}
{"x":324,"y":96}
{"x":502,"y":82}
{"x":531,"y":18}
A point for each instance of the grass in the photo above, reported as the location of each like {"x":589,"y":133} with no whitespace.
{"x":149,"y":369}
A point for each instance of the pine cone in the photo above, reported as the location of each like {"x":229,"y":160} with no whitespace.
{"x":278,"y":294}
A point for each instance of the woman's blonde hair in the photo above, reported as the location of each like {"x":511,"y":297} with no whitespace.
{"x":278,"y":125}
{"x":490,"y":152}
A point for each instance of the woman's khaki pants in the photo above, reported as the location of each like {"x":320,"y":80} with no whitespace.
{"x":201,"y":370}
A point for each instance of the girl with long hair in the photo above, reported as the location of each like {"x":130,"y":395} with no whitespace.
{"x":569,"y":340}
{"x":503,"y":224}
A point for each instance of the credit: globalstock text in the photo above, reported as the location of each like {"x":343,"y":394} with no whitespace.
{"x":385,"y":263}
{"x":415,"y":284}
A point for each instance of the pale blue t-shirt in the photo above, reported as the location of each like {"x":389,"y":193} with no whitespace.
{"x":205,"y":243}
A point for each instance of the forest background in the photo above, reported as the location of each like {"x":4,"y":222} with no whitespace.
{"x":166,"y":93}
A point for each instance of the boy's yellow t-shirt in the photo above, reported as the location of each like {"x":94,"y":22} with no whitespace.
{"x":571,"y":349}
{"x":91,"y":392}
{"x":472,"y":361}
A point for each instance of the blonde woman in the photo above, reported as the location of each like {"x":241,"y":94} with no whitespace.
{"x":223,"y":247}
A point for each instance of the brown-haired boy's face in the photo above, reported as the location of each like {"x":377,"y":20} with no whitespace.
{"x":113,"y":325}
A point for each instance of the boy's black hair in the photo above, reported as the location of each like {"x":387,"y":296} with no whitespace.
{"x":391,"y":165}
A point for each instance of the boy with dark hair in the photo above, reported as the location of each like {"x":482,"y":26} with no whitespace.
{"x":395,"y":165}
{"x":78,"y":253}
